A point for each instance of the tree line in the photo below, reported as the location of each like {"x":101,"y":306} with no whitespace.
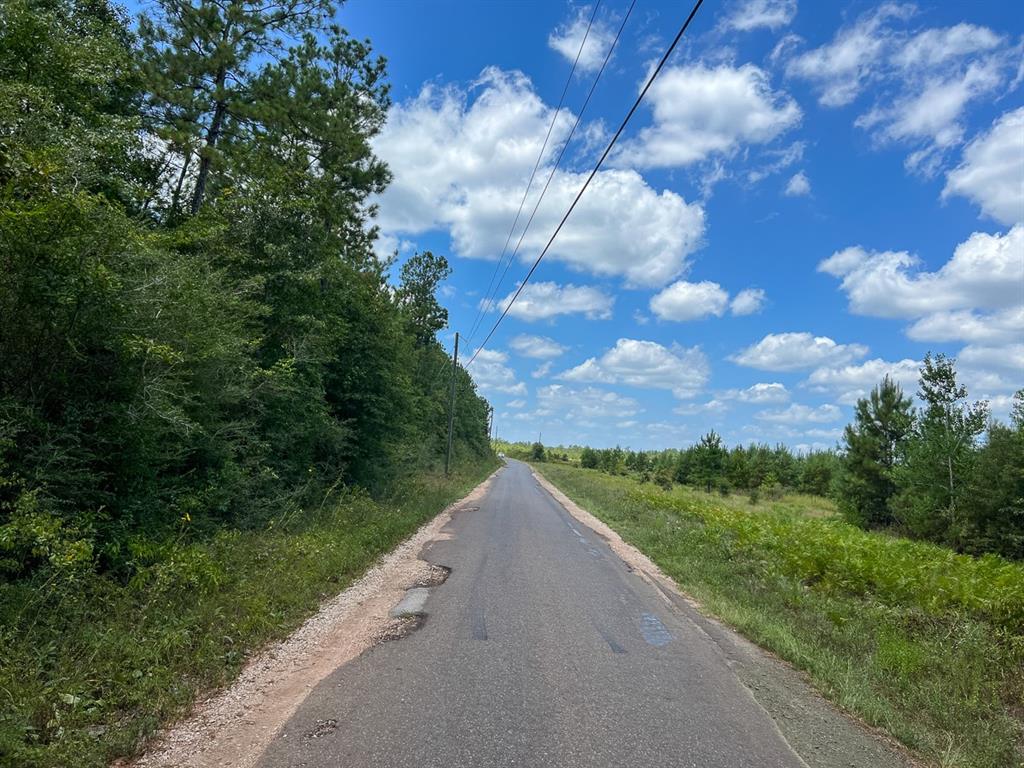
{"x":945,"y":471}
{"x":195,"y":331}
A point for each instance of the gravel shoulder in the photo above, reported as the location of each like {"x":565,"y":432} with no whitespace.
{"x":233,"y":727}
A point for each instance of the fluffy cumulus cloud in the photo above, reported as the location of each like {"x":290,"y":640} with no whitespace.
{"x":492,"y":375}
{"x":702,"y":409}
{"x":992,"y":171}
{"x":762,"y":392}
{"x":586,"y":406}
{"x":798,"y":185}
{"x":758,"y":14}
{"x":749,"y":301}
{"x":567,"y":39}
{"x":969,"y":326}
{"x":683,"y":371}
{"x":802,"y":414}
{"x":848,"y":383}
{"x":461,"y":161}
{"x":986,"y":271}
{"x":691,"y":301}
{"x":700,"y":111}
{"x":796,"y":351}
{"x":536,"y":346}
{"x":924,"y":79}
{"x":545,"y":300}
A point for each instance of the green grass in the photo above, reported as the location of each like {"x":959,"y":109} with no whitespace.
{"x":915,"y":639}
{"x":89,"y":668}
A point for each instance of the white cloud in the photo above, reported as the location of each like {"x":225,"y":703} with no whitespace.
{"x":700,"y":111}
{"x":588,"y":404}
{"x":542,"y":370}
{"x":491,"y":374}
{"x":690,"y":301}
{"x":536,"y":346}
{"x":986,"y":271}
{"x":697,"y":409}
{"x":966,"y":325}
{"x":798,"y":185}
{"x":1008,"y":358}
{"x":461,"y":161}
{"x":848,"y":383}
{"x":923,"y":80}
{"x":646,"y":364}
{"x":749,"y":301}
{"x":992,"y":171}
{"x":568,"y":38}
{"x":773,"y":392}
{"x":516,"y":404}
{"x":544,"y":300}
{"x":842,"y":67}
{"x":756,"y":14}
{"x":793,"y":351}
{"x":801,"y":414}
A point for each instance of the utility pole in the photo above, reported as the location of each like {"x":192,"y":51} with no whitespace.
{"x":451,"y":408}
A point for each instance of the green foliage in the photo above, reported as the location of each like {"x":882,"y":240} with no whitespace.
{"x":90,"y":666}
{"x":196,"y":334}
{"x":914,"y":638}
{"x":537,"y":452}
{"x":934,"y":500}
{"x":873,"y":445}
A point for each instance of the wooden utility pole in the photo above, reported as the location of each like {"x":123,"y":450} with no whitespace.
{"x":451,"y":408}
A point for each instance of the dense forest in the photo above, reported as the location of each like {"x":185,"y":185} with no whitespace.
{"x":195,"y":331}
{"x":944,"y":471}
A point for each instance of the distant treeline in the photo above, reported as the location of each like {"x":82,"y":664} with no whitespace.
{"x":945,"y":471}
{"x":195,"y":331}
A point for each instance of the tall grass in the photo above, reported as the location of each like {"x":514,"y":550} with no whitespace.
{"x":89,"y":666}
{"x":914,"y":638}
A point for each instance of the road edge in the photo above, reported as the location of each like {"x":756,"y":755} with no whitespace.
{"x":234,"y":725}
{"x":783,"y":691}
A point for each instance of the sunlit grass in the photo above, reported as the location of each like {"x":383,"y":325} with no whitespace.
{"x":912,"y":637}
{"x":89,"y":668}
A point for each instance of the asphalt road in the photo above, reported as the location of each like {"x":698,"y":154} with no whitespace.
{"x":541,"y":649}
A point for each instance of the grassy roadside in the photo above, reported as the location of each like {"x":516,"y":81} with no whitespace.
{"x":927,"y":644}
{"x":88,"y":669}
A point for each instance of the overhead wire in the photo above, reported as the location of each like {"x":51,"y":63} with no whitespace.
{"x":529,"y":184}
{"x":572,"y":132}
{"x":593,"y":173}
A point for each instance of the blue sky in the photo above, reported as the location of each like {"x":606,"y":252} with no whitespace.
{"x":813,"y":195}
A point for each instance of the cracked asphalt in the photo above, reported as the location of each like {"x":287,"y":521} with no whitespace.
{"x":542,"y":648}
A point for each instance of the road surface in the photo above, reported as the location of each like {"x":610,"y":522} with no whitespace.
{"x":543,"y":648}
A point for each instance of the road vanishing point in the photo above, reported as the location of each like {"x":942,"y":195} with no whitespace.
{"x":543,"y":648}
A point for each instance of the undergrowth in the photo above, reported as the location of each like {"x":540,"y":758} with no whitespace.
{"x":912,"y":637}
{"x":89,"y":667}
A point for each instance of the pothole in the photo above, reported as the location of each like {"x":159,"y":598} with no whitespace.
{"x":403,"y":626}
{"x":434,"y":577}
{"x":322,"y":728}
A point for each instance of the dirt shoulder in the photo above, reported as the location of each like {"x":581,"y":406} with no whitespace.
{"x":233,"y":726}
{"x":820,"y":733}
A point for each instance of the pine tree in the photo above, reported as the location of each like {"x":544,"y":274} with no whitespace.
{"x":934,"y":497}
{"x":872,"y":447}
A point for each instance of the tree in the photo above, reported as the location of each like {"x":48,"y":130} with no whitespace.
{"x":201,"y":60}
{"x":708,"y":461}
{"x":589,"y":458}
{"x":420,"y":278}
{"x":537,"y":451}
{"x":996,"y":513}
{"x":933,"y":499}
{"x":873,"y":445}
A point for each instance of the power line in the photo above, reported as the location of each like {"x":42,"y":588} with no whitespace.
{"x":529,"y":184}
{"x":565,"y":146}
{"x":593,"y":173}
